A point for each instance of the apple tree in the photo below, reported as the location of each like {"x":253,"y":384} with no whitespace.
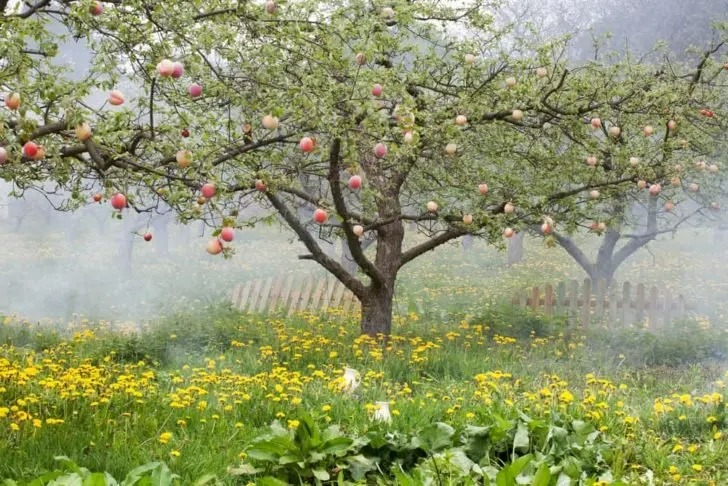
{"x":378,"y":114}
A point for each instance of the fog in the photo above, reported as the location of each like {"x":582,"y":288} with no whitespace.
{"x":56,"y":265}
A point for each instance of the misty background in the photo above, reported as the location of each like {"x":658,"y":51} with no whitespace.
{"x":56,"y":265}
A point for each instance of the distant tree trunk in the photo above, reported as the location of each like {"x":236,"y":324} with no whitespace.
{"x":130,"y":226}
{"x":515,"y":248}
{"x":160,"y":226}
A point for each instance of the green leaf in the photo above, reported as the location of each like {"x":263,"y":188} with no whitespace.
{"x":321,"y":474}
{"x":270,"y":481}
{"x":244,"y":469}
{"x":337,"y":445}
{"x":435,"y":437}
{"x":521,"y":440}
{"x":542,"y":477}
{"x":517,"y":466}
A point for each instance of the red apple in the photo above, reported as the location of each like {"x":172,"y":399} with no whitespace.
{"x":509,"y":208}
{"x":594,"y":194}
{"x":354,"y":182}
{"x":517,"y":115}
{"x":147,"y":237}
{"x":468,"y":218}
{"x":227,"y":234}
{"x":713,"y":168}
{"x":97,"y":197}
{"x":118,"y":201}
{"x":377,"y":90}
{"x":615,"y":131}
{"x":360,"y":58}
{"x":320,"y":216}
{"x":511,"y":82}
{"x":306,"y":144}
{"x":715,"y":206}
{"x":116,"y":97}
{"x":469,"y":59}
{"x":541,"y":72}
{"x":655,"y":189}
{"x":357,"y":229}
{"x":648,"y":130}
{"x":380,"y":150}
{"x":508,"y":232}
{"x":432,"y":207}
{"x":451,"y":149}
{"x":601,"y":226}
{"x":194,"y":90}
{"x":270,"y":7}
{"x":706,"y":113}
{"x":641,"y":184}
{"x":185,"y":133}
{"x":388,"y":13}
{"x":633,"y":161}
{"x":594,"y":226}
{"x":178,"y":70}
{"x":591,"y":161}
{"x":483,"y":188}
{"x":669,"y":206}
{"x":201,"y":200}
{"x":596,"y":123}
{"x":260,"y":185}
{"x":83,"y":132}
{"x":700,"y":165}
{"x":694,"y":187}
{"x":208,"y":190}
{"x":671,"y":125}
{"x":270,"y":122}
{"x":214,"y":247}
{"x":409,"y":137}
{"x":461,"y":120}
{"x":546,"y":229}
{"x":184,"y":158}
{"x":13,"y":101}
{"x":96,"y":8}
{"x":675,"y":181}
{"x":3,"y":155}
{"x":30,"y":149}
{"x":165,"y":68}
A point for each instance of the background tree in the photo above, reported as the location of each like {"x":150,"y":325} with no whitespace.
{"x":327,"y":92}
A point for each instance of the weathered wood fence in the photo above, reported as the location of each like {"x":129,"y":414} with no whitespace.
{"x":289,"y":294}
{"x":587,"y":302}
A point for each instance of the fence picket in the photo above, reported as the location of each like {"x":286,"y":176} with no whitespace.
{"x":574,"y":302}
{"x":640,"y":303}
{"x":652,"y":309}
{"x":600,"y":296}
{"x":586,"y":308}
{"x":560,"y":297}
{"x":626,"y":303}
{"x":613,"y":302}
{"x":264,"y":294}
{"x":535,"y":299}
{"x":548,"y":299}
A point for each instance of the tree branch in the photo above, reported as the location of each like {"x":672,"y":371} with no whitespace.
{"x":351,"y":282}
{"x":579,"y":256}
{"x":340,"y":204}
{"x":431,"y":244}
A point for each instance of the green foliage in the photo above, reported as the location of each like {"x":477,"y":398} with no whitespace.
{"x":70,"y":474}
{"x":681,"y":343}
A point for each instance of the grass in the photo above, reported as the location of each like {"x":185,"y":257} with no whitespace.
{"x":200,"y":385}
{"x":196,"y":389}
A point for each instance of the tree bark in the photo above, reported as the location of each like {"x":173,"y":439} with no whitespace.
{"x":376,"y":310}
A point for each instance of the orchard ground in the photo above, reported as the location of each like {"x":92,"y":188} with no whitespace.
{"x":199,"y":384}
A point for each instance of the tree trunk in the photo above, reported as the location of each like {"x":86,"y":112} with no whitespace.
{"x":604,"y":272}
{"x":376,"y":310}
{"x":515,"y":248}
{"x":467,"y":243}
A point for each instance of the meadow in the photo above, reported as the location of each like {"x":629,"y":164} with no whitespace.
{"x":467,"y":390}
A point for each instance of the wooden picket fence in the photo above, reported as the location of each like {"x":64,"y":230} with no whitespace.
{"x":586,"y":303}
{"x":288,"y":294}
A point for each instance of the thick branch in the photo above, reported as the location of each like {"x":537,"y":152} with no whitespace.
{"x":351,"y":282}
{"x":572,"y":249}
{"x":340,"y":204}
{"x":431,"y":244}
